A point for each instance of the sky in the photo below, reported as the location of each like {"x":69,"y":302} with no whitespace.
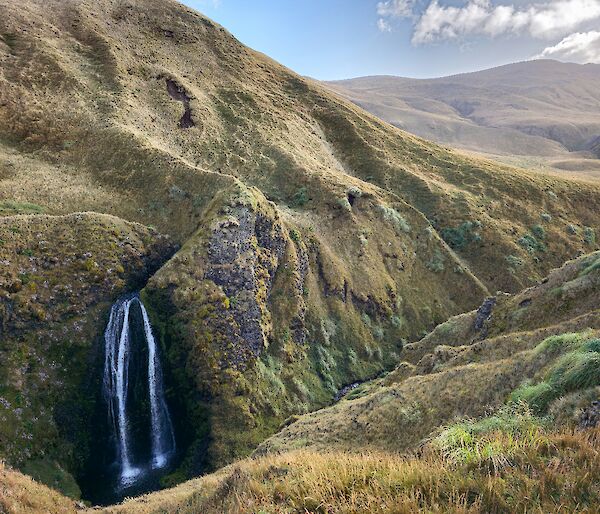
{"x":337,"y":39}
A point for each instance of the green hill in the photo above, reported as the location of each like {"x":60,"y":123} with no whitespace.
{"x":314,"y":240}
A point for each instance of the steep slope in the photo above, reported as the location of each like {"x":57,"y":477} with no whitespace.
{"x":517,"y":458}
{"x":315,"y":239}
{"x":465,"y":367}
{"x":20,"y":493}
{"x":545,"y":109}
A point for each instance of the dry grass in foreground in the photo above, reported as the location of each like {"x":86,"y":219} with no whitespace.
{"x":20,"y":494}
{"x":471,"y":467}
{"x":509,"y":463}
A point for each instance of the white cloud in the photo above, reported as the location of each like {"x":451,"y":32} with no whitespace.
{"x":383,"y":25}
{"x":554,"y":18}
{"x":481,"y":17}
{"x":396,"y":8}
{"x":581,"y":47}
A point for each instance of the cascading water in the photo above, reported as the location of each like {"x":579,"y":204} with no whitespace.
{"x":117,"y":386}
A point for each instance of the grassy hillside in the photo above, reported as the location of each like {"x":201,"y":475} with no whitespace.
{"x":542,"y":112}
{"x":506,"y":387}
{"x":316,"y":240}
{"x":536,"y":468}
{"x":513,"y":345}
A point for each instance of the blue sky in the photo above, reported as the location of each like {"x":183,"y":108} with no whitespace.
{"x":334,"y":39}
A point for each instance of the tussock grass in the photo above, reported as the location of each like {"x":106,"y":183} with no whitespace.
{"x":515,"y":464}
{"x":578,"y":369}
{"x":477,"y":442}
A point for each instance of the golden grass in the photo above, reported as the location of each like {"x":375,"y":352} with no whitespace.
{"x":533,"y":471}
{"x":20,"y":494}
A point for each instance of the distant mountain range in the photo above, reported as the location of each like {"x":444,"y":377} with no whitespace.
{"x":537,"y":111}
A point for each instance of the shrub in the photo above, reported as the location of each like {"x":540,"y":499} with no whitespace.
{"x":589,"y":236}
{"x":354,"y":192}
{"x":436,"y":263}
{"x":459,"y":237}
{"x":514,"y":261}
{"x":546,"y":217}
{"x":295,"y":235}
{"x":530,"y":243}
{"x":366,"y":319}
{"x":378,"y":332}
{"x":539,"y":232}
{"x":394,"y":218}
{"x":344,"y":204}
{"x":572,"y":229}
{"x":396,"y":321}
{"x":301,"y":197}
{"x":328,"y":330}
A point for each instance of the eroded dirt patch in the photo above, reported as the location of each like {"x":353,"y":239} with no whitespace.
{"x":178,"y":93}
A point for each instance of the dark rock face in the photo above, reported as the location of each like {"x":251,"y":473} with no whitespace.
{"x":590,"y":417}
{"x":345,"y":390}
{"x":484,"y":313}
{"x":244,"y":252}
{"x":178,"y":93}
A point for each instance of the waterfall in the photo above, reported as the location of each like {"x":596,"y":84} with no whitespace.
{"x":116,"y":385}
{"x":163,"y":438}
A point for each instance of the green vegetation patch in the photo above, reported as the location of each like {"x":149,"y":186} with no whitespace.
{"x":394,"y":218}
{"x":53,"y":475}
{"x":301,"y":197}
{"x":10,"y":207}
{"x":589,"y":236}
{"x":531,"y":243}
{"x":594,"y":266}
{"x":576,"y":370}
{"x":436,"y":263}
{"x":474,"y":441}
{"x":461,"y":236}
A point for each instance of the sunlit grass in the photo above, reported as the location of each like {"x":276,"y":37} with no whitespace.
{"x":508,"y":462}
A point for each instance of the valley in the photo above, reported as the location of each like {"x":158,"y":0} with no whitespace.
{"x":202,"y":250}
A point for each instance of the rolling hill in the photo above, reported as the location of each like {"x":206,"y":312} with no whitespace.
{"x":528,"y":113}
{"x":285,"y":242}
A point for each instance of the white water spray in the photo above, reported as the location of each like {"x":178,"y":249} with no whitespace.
{"x":118,"y":350}
{"x":163,"y":438}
